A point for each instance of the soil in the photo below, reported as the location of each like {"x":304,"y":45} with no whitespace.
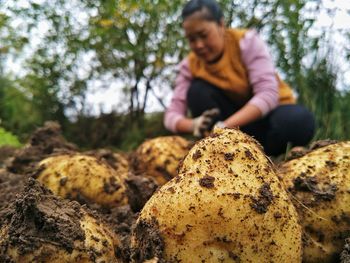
{"x":139,"y":190}
{"x":121,"y":219}
{"x":36,"y":217}
{"x":297,"y":152}
{"x":345,"y":254}
{"x":5,"y":153}
{"x":151,"y":244}
{"x":207,"y":181}
{"x":10,"y":186}
{"x":304,"y":183}
{"x":261,"y":203}
{"x":44,"y":142}
{"x":322,"y":143}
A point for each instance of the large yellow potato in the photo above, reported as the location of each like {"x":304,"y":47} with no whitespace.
{"x":159,"y":157}
{"x":226,"y":205}
{"x":319,"y":183}
{"x":39,"y":227}
{"x":83,"y":178}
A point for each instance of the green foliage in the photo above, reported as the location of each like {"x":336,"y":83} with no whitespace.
{"x":17,"y":113}
{"x":8,"y":139}
{"x":330,"y":106}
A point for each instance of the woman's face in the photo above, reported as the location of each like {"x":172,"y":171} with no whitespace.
{"x":206,"y":38}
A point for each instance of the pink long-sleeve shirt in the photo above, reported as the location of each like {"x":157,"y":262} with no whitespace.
{"x":261,"y":75}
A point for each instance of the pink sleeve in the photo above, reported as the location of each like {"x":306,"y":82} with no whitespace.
{"x":178,"y":105}
{"x":261,"y":72}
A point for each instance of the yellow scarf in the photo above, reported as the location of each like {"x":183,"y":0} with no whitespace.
{"x":230,"y":74}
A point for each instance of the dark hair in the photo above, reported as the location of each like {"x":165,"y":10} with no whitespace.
{"x":211,"y":7}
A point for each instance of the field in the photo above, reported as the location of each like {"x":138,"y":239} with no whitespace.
{"x":95,"y":210}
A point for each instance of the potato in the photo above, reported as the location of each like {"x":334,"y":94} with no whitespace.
{"x":39,"y":227}
{"x":160,"y":157}
{"x":226,"y":205}
{"x":84,"y":178}
{"x":319,"y":183}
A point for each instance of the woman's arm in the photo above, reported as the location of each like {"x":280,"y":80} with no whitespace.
{"x":175,"y":118}
{"x":247,"y":114}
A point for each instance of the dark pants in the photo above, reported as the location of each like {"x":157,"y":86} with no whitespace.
{"x":285,"y":124}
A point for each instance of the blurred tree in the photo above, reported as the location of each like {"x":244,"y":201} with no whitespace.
{"x":136,"y":41}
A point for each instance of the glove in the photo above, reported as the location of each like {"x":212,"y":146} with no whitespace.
{"x":220,"y":124}
{"x":203,"y":123}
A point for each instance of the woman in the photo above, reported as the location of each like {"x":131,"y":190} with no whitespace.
{"x":229,"y":80}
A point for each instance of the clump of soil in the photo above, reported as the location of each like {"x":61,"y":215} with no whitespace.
{"x":322,"y":143}
{"x":36,"y":218}
{"x":309,"y":184}
{"x":44,"y":142}
{"x":5,"y":153}
{"x":10,"y":186}
{"x":139,"y":190}
{"x":261,"y":203}
{"x":121,"y":219}
{"x":298,"y":152}
{"x":345,"y":254}
{"x":151,"y":244}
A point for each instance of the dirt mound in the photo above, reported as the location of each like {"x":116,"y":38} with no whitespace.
{"x":44,"y":142}
{"x":37,"y":218}
{"x":121,"y":219}
{"x":10,"y":186}
{"x":5,"y":153}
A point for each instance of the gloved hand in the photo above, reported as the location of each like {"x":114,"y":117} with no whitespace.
{"x":220,"y":124}
{"x":204,"y":123}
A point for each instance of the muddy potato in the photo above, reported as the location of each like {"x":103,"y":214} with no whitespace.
{"x":39,"y":227}
{"x":160,"y":157}
{"x":226,"y":205}
{"x":319,"y":183}
{"x":83,"y":177}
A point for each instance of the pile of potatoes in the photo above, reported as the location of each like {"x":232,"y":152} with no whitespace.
{"x":226,"y":205}
{"x":91,"y":178}
{"x":222,"y":200}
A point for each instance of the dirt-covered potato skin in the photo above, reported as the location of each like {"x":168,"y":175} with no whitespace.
{"x":226,"y":205}
{"x":319,"y":183}
{"x":83,"y":178}
{"x":159,"y":157}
